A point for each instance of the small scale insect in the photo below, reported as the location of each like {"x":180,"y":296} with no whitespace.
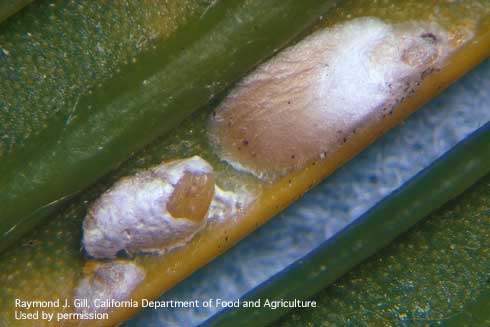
{"x":288,"y":113}
{"x":157,"y":210}
{"x":106,"y":281}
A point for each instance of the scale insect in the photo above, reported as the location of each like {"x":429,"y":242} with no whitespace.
{"x":157,"y":210}
{"x":310,"y":99}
